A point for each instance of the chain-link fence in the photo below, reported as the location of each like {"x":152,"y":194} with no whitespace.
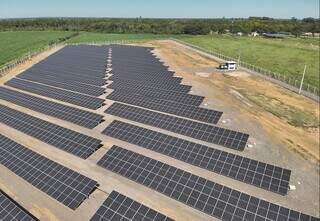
{"x":277,"y":76}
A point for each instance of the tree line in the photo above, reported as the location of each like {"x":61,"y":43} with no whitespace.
{"x":165,"y":26}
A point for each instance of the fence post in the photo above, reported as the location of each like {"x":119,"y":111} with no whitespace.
{"x":304,"y":72}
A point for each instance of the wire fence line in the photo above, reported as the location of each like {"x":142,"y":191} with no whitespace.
{"x":26,"y":57}
{"x":4,"y":69}
{"x":120,"y":42}
{"x":99,"y":43}
{"x":290,"y":83}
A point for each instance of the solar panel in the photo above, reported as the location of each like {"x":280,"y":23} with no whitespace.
{"x":84,"y":67}
{"x":204,"y":195}
{"x":64,"y":112}
{"x":224,"y":137}
{"x":63,"y":184}
{"x":120,"y":207}
{"x":67,"y":75}
{"x":160,"y":94}
{"x":68,"y":140}
{"x":58,"y":94}
{"x":246,"y":170}
{"x":85,"y":58}
{"x":65,"y":84}
{"x":11,"y":210}
{"x":188,"y":111}
{"x":148,"y":77}
{"x":164,"y":85}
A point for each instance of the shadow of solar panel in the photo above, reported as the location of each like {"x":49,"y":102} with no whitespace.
{"x":119,"y":207}
{"x":188,"y":111}
{"x":204,"y":195}
{"x":164,"y":85}
{"x":11,"y":210}
{"x":64,"y":112}
{"x":224,"y":137}
{"x":250,"y":171}
{"x":64,"y":84}
{"x":160,"y":94}
{"x":65,"y":185}
{"x":68,"y":140}
{"x":58,"y":94}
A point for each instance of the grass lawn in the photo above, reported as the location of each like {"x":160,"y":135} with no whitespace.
{"x":284,"y":56}
{"x":14,"y":45}
{"x":87,"y":37}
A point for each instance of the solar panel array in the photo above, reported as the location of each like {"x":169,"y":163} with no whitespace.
{"x":63,"y":184}
{"x":56,"y":93}
{"x":120,"y":207}
{"x":202,"y":194}
{"x":66,"y":75}
{"x":68,"y":140}
{"x":74,"y":75}
{"x":144,"y":81}
{"x":188,"y":111}
{"x":134,"y":83}
{"x":64,"y":84}
{"x":158,"y":93}
{"x":64,"y":112}
{"x":76,"y":63}
{"x":10,"y":210}
{"x":250,"y":171}
{"x":228,"y":138}
{"x":145,"y":77}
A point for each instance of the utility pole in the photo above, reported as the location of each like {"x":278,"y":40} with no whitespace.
{"x":301,"y":83}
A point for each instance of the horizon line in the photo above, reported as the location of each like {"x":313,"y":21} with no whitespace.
{"x":101,"y":17}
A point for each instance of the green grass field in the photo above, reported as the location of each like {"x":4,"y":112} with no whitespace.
{"x":287,"y":56}
{"x":14,"y":45}
{"x":86,"y":37}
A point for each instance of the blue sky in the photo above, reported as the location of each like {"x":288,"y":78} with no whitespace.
{"x":159,"y":8}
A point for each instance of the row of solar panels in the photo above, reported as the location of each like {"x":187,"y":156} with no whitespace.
{"x":257,"y":173}
{"x":56,"y":78}
{"x":83,"y":146}
{"x":63,"y":184}
{"x":71,"y":188}
{"x":139,"y":92}
{"x":158,"y":90}
{"x":133,"y":85}
{"x":250,"y":171}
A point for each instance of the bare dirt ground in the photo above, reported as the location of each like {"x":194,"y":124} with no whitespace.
{"x":289,"y":119}
{"x":249,"y":104}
